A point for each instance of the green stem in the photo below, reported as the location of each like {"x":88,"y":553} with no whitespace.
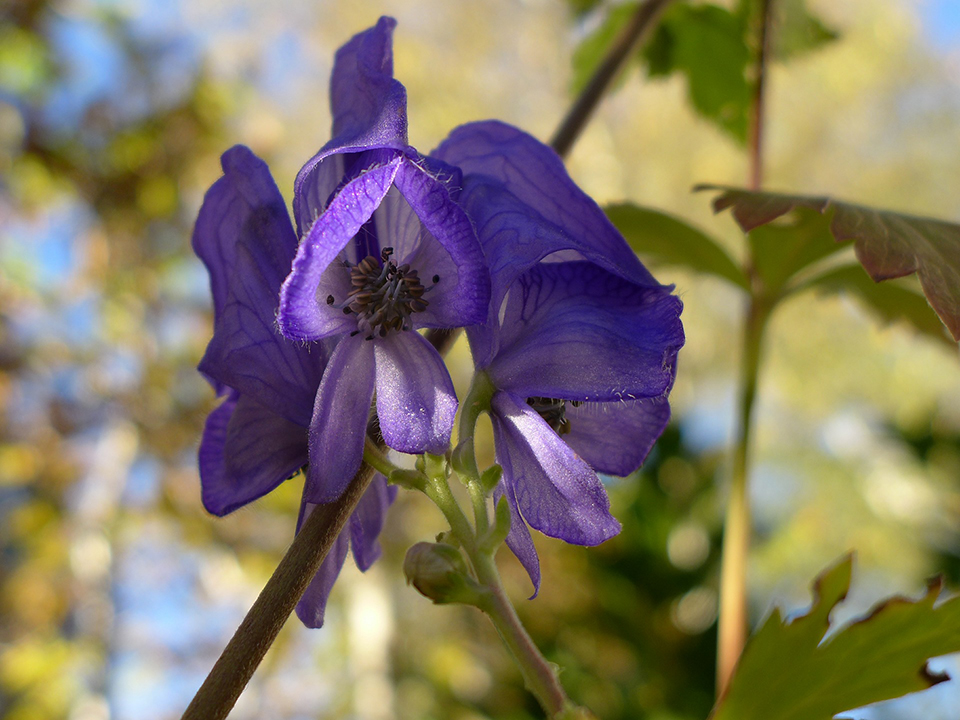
{"x":279,"y":597}
{"x":374,"y":457}
{"x":438,"y":490}
{"x":476,"y":403}
{"x":736,"y":534}
{"x":733,"y":626}
{"x":539,"y":674}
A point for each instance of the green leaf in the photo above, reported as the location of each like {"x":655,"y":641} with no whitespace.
{"x":590,"y":52}
{"x":891,"y":301}
{"x":665,"y":240}
{"x":796,"y":31}
{"x":781,"y":250}
{"x":708,"y":45}
{"x":887,"y":244}
{"x":790,"y":672}
{"x":705,"y":42}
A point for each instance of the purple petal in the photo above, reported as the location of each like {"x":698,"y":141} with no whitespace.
{"x":459,"y":300}
{"x":315,"y":191}
{"x":556,"y":492}
{"x":416,"y":401}
{"x":615,"y":437}
{"x":526,"y":207}
{"x":368,"y":519}
{"x":246,"y":451}
{"x":243,"y":207}
{"x":369,"y":107}
{"x":518,"y":539}
{"x":302,"y":315}
{"x":574,"y":331}
{"x":313,"y":604}
{"x":339,"y":422}
{"x":248,"y":353}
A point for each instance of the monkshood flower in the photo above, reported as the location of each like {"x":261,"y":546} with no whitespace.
{"x":257,"y":437}
{"x":580,"y":343}
{"x":386,"y":250}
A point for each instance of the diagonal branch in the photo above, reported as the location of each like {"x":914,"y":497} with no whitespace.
{"x":630,"y":38}
{"x":239,"y":660}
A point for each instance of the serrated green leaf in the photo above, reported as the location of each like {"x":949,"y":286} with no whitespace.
{"x":665,"y":240}
{"x":590,"y":52}
{"x":790,"y":672}
{"x":887,"y":244}
{"x":890,"y":301}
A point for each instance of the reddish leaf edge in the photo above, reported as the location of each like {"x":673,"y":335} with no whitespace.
{"x":776,"y":205}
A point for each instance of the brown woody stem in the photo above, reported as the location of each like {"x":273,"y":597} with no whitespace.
{"x":239,"y":660}
{"x":629,"y":39}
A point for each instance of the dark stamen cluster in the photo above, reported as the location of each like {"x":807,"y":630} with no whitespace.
{"x":383,"y":294}
{"x":554,"y":411}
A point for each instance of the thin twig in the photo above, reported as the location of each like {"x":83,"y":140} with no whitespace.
{"x":631,"y":36}
{"x":279,"y":597}
{"x":759,"y":95}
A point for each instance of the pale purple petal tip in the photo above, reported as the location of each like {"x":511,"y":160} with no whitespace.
{"x":416,"y":402}
{"x":519,"y":540}
{"x":313,"y":605}
{"x":556,"y":491}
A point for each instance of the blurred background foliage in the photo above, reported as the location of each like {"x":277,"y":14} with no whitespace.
{"x":117,"y":591}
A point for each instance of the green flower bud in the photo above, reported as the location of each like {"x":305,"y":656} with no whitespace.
{"x":438,"y":571}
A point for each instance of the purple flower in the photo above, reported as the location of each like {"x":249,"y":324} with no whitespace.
{"x":580,"y":342}
{"x":257,"y":437}
{"x":386,"y":250}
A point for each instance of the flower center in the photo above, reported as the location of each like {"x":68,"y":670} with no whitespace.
{"x":554,"y":412}
{"x":383,"y":294}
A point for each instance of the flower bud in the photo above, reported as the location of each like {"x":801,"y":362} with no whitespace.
{"x":438,"y":571}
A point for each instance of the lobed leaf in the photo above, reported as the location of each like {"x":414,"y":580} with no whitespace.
{"x":887,"y":244}
{"x":665,"y":240}
{"x":791,"y":671}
